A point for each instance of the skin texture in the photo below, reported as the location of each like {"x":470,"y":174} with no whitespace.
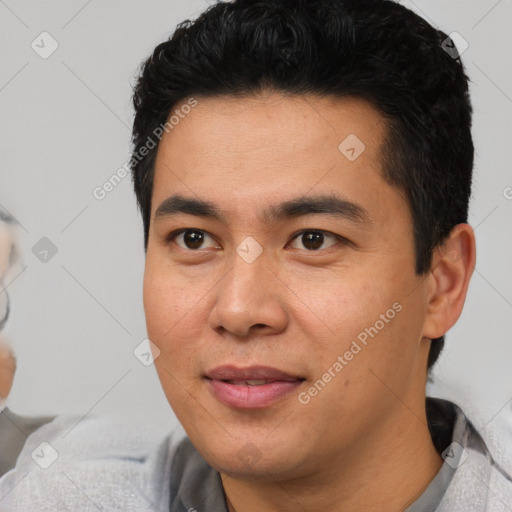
{"x":357,"y":444}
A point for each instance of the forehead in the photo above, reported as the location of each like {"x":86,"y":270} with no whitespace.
{"x":273,"y":146}
{"x":276,"y":120}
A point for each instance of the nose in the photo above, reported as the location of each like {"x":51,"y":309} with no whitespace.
{"x":250,"y":300}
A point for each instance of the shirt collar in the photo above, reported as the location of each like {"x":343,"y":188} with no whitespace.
{"x":196,"y":485}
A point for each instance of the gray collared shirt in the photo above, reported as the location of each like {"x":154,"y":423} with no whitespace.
{"x":96,"y":465}
{"x":196,"y":486}
{"x":14,"y":431}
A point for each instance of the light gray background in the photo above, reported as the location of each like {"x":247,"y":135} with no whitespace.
{"x":65,"y":129}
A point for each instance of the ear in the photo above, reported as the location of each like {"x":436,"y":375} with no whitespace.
{"x":452,"y":266}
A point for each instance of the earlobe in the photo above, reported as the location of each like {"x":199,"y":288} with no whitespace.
{"x":452,"y":266}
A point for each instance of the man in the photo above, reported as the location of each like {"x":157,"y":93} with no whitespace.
{"x":303,"y":169}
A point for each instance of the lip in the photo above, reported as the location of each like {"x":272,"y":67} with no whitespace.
{"x":226,"y":384}
{"x":230,"y":372}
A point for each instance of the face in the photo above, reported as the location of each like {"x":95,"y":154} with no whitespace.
{"x":279,"y":283}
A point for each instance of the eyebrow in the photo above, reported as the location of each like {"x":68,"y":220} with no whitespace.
{"x":332,"y":205}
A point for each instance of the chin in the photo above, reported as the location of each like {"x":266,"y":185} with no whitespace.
{"x":254,"y":460}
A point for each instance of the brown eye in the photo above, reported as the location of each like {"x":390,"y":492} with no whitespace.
{"x":313,"y":240}
{"x":191,"y":239}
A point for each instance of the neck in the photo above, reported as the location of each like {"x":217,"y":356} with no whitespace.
{"x":387,"y":472}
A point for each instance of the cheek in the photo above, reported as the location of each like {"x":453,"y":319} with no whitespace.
{"x":357,"y":312}
{"x":160,"y":309}
{"x":333,"y":307}
{"x":171,"y":300}
{"x":175,"y":304}
{"x":171,"y":326}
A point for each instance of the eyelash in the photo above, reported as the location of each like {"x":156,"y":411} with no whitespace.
{"x":338,"y":238}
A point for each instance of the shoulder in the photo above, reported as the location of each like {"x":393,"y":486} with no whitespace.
{"x":480,"y":483}
{"x":500,"y":491}
{"x":478,"y":486}
{"x":91,"y":463}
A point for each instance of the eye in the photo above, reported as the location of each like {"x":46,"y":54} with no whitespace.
{"x":313,"y":239}
{"x":191,"y":239}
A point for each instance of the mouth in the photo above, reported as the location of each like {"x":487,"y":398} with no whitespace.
{"x":253,"y":382}
{"x":255,"y":387}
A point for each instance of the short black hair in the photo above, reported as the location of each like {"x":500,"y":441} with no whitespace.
{"x":375,"y":50}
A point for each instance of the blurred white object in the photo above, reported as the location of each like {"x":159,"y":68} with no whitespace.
{"x":8,"y":245}
{"x":8,"y":256}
